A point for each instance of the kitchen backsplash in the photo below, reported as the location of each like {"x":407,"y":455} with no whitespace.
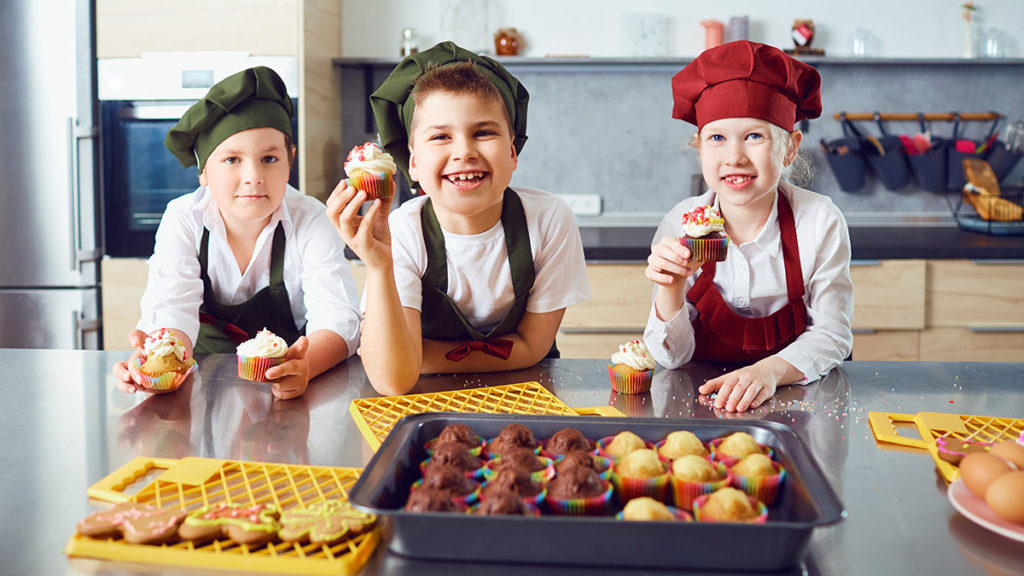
{"x":606,"y":128}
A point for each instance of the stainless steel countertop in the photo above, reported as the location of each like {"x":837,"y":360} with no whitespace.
{"x":64,"y":427}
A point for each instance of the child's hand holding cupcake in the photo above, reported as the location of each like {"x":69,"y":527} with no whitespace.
{"x":267,"y":358}
{"x":160,"y":364}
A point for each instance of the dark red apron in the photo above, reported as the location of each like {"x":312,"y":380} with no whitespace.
{"x":724,"y":336}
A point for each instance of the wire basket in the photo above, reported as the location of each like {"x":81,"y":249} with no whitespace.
{"x":968,"y":219}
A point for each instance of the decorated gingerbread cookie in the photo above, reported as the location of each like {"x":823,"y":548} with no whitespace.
{"x":136,"y":523}
{"x":253,"y":525}
{"x":326,"y":522}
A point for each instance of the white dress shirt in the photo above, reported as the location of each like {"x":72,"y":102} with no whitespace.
{"x":752,"y":281}
{"x":316,"y":272}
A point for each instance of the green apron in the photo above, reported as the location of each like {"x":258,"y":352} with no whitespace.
{"x":225,"y":326}
{"x":441,"y":319}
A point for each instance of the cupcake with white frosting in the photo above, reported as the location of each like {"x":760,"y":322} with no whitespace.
{"x":257,"y":355}
{"x":371,"y":170}
{"x":631,"y":368}
{"x":704,"y":234}
{"x":165,"y":365}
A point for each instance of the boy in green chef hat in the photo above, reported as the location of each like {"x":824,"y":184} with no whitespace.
{"x":246,"y":251}
{"x":474,"y":276}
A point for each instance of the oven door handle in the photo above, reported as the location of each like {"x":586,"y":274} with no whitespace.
{"x":154,"y":112}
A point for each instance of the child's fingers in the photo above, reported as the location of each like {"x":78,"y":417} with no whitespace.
{"x":711,"y":385}
{"x":137,"y":338}
{"x":751,"y":394}
{"x":299,"y":349}
{"x":365,"y":231}
{"x":286,"y":390}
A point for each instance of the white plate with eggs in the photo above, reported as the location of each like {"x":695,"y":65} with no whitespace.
{"x":977,"y":511}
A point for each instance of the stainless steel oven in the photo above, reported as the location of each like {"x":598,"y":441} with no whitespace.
{"x":141,"y":99}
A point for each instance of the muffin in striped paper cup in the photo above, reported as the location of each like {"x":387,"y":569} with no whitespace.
{"x":541,"y":468}
{"x":693,"y":476}
{"x":463,"y":491}
{"x":371,"y":170}
{"x":165,"y":367}
{"x":579,"y":491}
{"x":729,"y":505}
{"x":640,"y":473}
{"x":458,"y":433}
{"x":259,"y":354}
{"x":519,"y":482}
{"x":621,"y":444}
{"x":631,"y":369}
{"x":734,"y":447}
{"x":645,"y":509}
{"x":681,"y":443}
{"x":600,"y":464}
{"x":758,"y":476}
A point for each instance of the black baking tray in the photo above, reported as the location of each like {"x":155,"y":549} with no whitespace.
{"x":806,"y":501}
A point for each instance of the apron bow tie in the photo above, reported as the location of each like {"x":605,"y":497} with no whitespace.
{"x":496,"y":347}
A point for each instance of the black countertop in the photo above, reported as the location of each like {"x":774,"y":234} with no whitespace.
{"x":633,"y":244}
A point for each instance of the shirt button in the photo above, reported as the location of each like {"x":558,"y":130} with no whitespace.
{"x":741,"y":302}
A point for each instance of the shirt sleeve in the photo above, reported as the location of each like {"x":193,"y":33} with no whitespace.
{"x":829,"y":335}
{"x":560,"y":268}
{"x":408,"y":256}
{"x":174,"y":288}
{"x":328,"y":289}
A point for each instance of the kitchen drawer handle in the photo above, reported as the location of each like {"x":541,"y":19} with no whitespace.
{"x":863,"y":330}
{"x":996,"y":329}
{"x":601,"y":330}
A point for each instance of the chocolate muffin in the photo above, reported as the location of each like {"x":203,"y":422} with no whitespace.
{"x":576,"y":482}
{"x":566,"y":440}
{"x":430,"y":500}
{"x":511,"y":436}
{"x":575,"y":458}
{"x":459,"y":434}
{"x":518,"y":482}
{"x":519,"y":459}
{"x":504,"y":504}
{"x":457,"y":455}
{"x":449,"y":479}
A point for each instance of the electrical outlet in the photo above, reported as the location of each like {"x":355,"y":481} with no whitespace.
{"x":583,"y":204}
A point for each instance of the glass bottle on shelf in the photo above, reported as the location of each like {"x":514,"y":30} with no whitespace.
{"x":409,"y":42}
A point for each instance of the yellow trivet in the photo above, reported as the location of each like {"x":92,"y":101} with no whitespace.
{"x":194,"y":482}
{"x":376,"y":416}
{"x":934,"y":425}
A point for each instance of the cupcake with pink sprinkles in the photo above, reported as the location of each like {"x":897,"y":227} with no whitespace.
{"x":704,"y":234}
{"x":257,"y":355}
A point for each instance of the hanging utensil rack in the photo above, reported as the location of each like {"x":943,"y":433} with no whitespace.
{"x":914,"y":117}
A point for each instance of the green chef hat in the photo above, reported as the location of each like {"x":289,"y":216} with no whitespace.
{"x":393,"y":103}
{"x":252,"y":98}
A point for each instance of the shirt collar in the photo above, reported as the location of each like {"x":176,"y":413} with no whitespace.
{"x":213,"y":221}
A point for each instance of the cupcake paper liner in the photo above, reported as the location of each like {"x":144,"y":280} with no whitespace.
{"x":165,"y":381}
{"x":681,"y":515}
{"x":761,"y":518}
{"x":543,"y":476}
{"x":463,"y":502}
{"x":606,"y":440}
{"x":429,"y":447}
{"x":764,"y":488}
{"x":664,"y":458}
{"x":255,"y":367}
{"x":628,"y":488}
{"x":599,"y":505}
{"x":730,"y":461}
{"x":684,"y":492}
{"x":376,"y":185}
{"x":706,"y":249}
{"x":475,"y":474}
{"x":631,"y":383}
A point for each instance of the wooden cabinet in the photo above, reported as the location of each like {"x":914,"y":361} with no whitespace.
{"x":620,"y":300}
{"x":888,"y":309}
{"x":124,"y":281}
{"x":975,"y":311}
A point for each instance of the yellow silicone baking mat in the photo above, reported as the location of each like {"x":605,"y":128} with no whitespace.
{"x":934,"y":425}
{"x":376,"y":416}
{"x":193,"y":482}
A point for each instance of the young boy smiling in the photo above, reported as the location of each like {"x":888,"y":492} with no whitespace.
{"x":474,"y":276}
{"x":246,"y":251}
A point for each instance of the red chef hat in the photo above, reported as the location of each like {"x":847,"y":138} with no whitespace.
{"x":746,"y":80}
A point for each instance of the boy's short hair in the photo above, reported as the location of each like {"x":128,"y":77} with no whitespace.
{"x":459,"y":78}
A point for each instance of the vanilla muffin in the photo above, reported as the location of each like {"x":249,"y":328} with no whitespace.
{"x":727,"y":505}
{"x":164,"y":353}
{"x":642,"y":463}
{"x":681,"y":443}
{"x":623,"y":443}
{"x":646,"y":509}
{"x":757,"y":465}
{"x":693,"y":468}
{"x":739,"y":445}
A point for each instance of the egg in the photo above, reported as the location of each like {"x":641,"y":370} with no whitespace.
{"x":1010,"y":450}
{"x":1005,"y":496}
{"x":978,"y":470}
